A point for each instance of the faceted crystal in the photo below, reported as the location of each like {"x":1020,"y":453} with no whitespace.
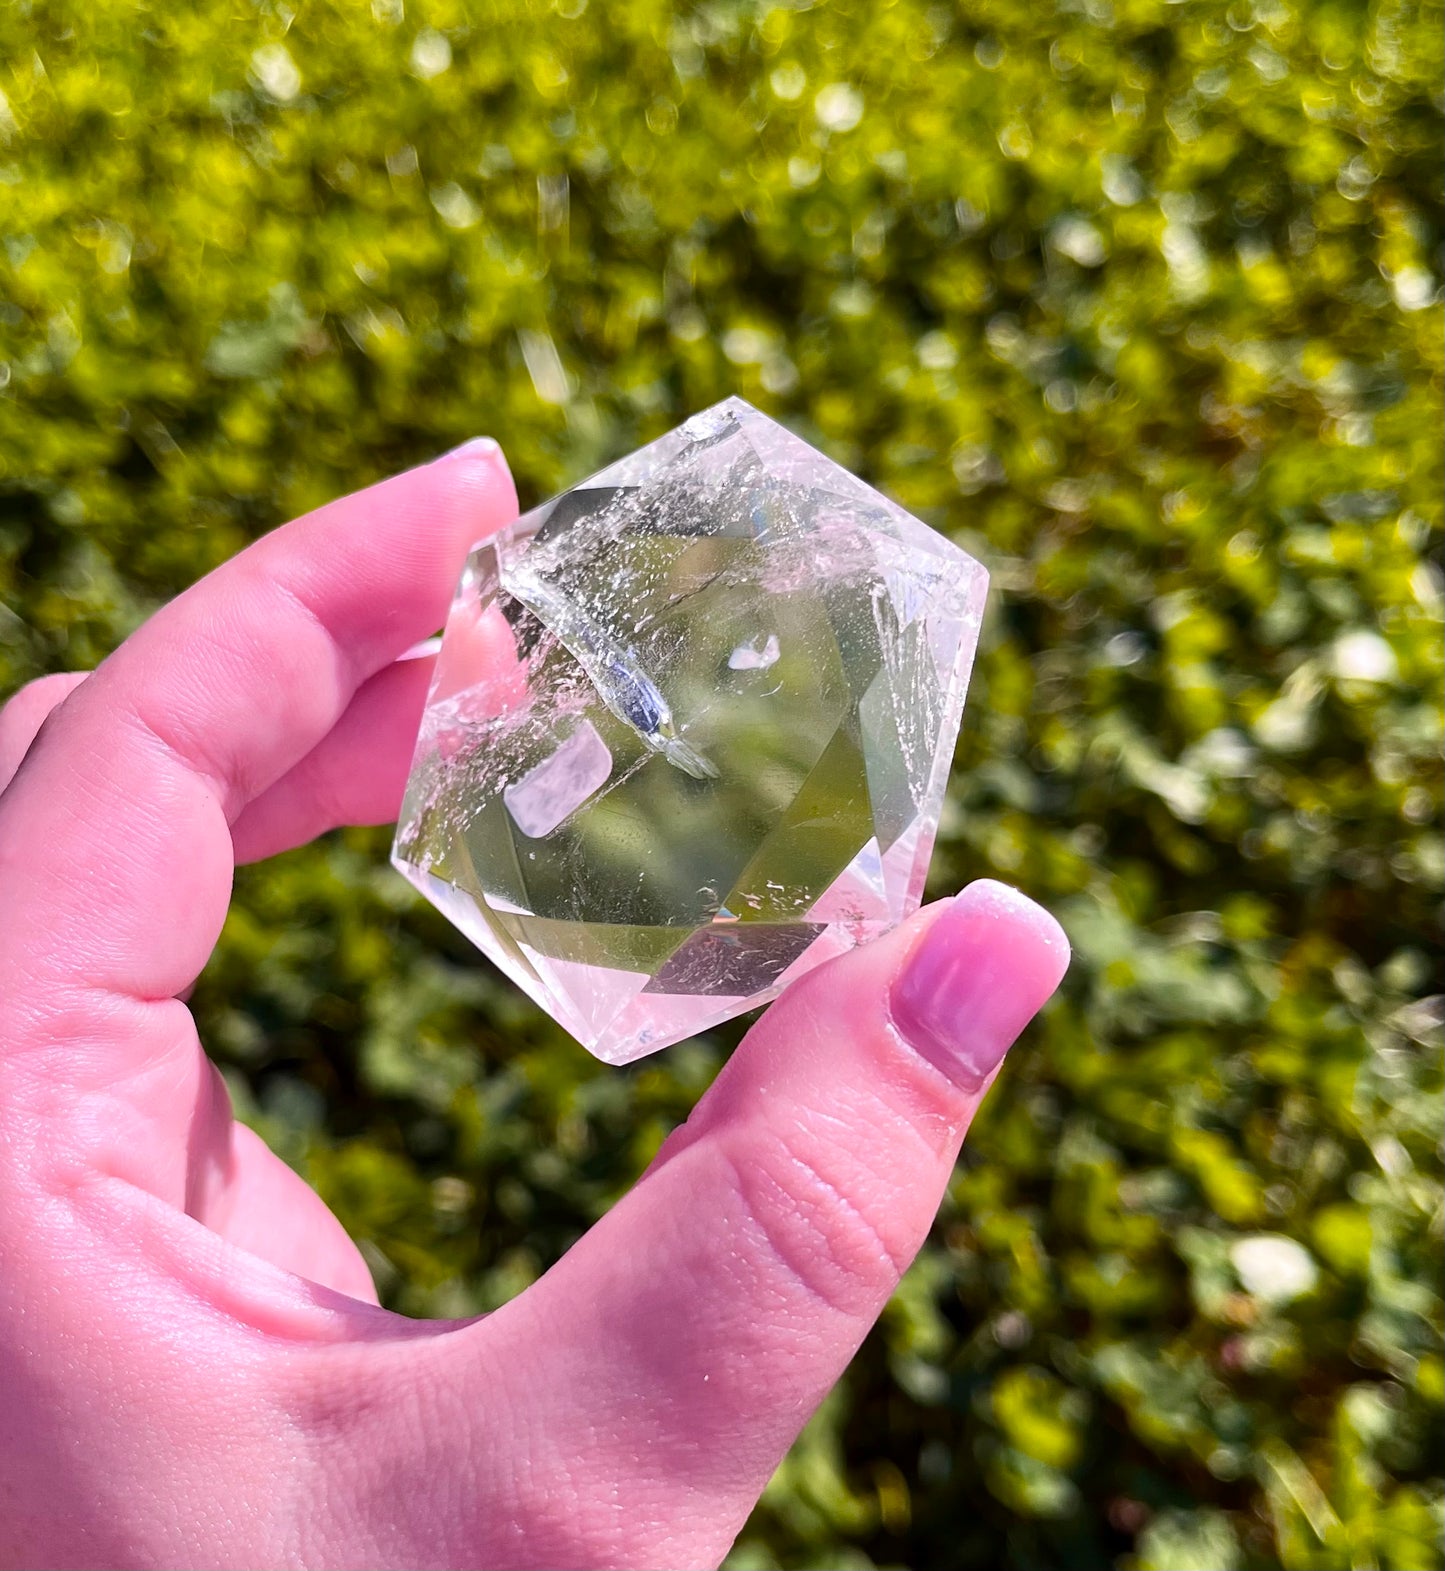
{"x":690,"y":730}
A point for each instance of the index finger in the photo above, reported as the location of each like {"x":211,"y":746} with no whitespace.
{"x":115,"y":851}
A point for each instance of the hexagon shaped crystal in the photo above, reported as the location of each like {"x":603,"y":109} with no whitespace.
{"x":690,"y":730}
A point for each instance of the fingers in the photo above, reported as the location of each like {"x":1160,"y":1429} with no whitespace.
{"x":204,"y":708}
{"x":115,"y":844}
{"x":691,"y":1333}
{"x":26,"y":712}
{"x":244,"y":1193}
{"x":354,"y":775}
{"x":357,"y":773}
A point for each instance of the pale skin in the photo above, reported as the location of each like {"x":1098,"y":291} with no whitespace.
{"x":194,"y":1371}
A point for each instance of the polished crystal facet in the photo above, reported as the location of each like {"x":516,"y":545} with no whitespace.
{"x":690,"y":730}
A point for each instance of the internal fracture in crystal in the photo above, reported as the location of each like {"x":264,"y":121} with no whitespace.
{"x":690,"y":730}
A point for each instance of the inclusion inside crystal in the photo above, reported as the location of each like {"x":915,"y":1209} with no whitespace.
{"x":690,"y":730}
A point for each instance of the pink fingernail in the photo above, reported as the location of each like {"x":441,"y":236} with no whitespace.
{"x":474,"y":447}
{"x":982,"y":972}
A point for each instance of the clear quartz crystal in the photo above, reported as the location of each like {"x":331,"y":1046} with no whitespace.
{"x":690,"y":730}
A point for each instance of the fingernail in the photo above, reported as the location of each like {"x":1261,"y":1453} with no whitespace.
{"x":473,"y":447}
{"x":982,"y":972}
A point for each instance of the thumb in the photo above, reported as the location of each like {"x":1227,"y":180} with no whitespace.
{"x":676,"y":1351}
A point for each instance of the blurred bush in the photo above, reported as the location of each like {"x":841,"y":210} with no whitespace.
{"x":1139,"y":301}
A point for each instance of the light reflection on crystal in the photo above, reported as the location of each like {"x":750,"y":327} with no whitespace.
{"x":550,"y":792}
{"x":750,"y":657}
{"x":690,"y":731}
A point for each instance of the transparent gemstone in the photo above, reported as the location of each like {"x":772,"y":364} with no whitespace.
{"x":690,"y":730}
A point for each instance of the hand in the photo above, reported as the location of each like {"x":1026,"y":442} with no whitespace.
{"x":193,"y":1367}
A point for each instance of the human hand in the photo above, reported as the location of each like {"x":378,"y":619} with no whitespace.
{"x":193,"y":1367}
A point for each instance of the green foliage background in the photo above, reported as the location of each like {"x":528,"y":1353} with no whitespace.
{"x":1141,"y":303}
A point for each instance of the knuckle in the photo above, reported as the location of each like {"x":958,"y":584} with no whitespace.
{"x":27,"y":714}
{"x":840,"y":1227}
{"x":29,"y":706}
